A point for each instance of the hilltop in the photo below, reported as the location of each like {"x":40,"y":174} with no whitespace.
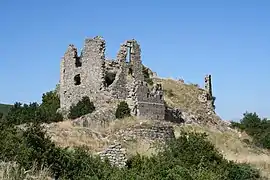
{"x":231,"y":143}
{"x":4,"y":108}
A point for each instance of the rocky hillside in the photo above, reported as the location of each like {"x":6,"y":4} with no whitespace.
{"x":136,"y":135}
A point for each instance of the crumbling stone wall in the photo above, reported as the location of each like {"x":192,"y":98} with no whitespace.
{"x":82,"y":75}
{"x":99,"y":79}
{"x":135,"y":60}
{"x":208,"y":86}
{"x":118,"y":88}
{"x":155,"y":132}
{"x":206,"y":96}
{"x":116,"y":155}
{"x":150,"y":103}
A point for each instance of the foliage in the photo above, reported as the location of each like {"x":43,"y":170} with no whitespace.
{"x":33,"y":112}
{"x":256,"y":127}
{"x":189,"y":157}
{"x":84,"y":106}
{"x":50,"y":105}
{"x":22,"y":113}
{"x":147,"y":76}
{"x":122,"y":110}
{"x":1,"y":115}
{"x":4,"y":108}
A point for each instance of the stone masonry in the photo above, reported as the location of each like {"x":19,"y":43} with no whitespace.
{"x":92,"y":75}
{"x":116,"y":155}
{"x":207,"y":97}
{"x":151,"y":133}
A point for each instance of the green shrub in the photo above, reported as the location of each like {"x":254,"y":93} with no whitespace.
{"x":22,"y":113}
{"x":242,"y":172}
{"x":1,"y":115}
{"x":49,"y":106}
{"x":84,"y":106}
{"x":46,"y":112}
{"x":122,"y":110}
{"x":256,"y":127}
{"x":189,"y":157}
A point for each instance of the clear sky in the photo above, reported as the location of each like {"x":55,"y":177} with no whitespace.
{"x":229,"y":39}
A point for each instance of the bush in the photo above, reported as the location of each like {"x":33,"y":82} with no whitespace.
{"x":122,"y":110}
{"x":1,"y":115}
{"x":49,"y":106}
{"x":256,"y":127}
{"x":189,"y":157}
{"x":22,"y":113}
{"x":84,"y":106}
{"x":33,"y":112}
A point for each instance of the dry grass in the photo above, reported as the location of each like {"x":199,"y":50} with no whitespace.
{"x":180,"y":95}
{"x":11,"y":171}
{"x":230,"y":143}
{"x":64,"y":134}
{"x":232,"y":146}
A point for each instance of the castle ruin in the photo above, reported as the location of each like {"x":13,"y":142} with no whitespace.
{"x":91,"y":74}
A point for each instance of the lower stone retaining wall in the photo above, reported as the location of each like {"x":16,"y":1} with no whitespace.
{"x":147,"y":132}
{"x":115,"y":154}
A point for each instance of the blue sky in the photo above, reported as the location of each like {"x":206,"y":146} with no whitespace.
{"x":229,"y":39}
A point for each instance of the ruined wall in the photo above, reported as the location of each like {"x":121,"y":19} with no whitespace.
{"x":154,"y":132}
{"x":99,"y":79}
{"x":208,"y":85}
{"x":84,"y":75}
{"x":135,"y":60}
{"x":116,"y":155}
{"x":143,"y":101}
{"x":206,"y":96}
{"x":150,"y":103}
{"x":118,"y":88}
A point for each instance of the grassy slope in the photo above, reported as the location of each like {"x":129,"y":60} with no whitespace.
{"x":230,"y":142}
{"x":4,"y":108}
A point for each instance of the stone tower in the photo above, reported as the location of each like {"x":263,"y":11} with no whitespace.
{"x":208,"y":85}
{"x":82,"y":75}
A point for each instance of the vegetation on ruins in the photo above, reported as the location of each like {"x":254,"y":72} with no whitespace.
{"x":84,"y":106}
{"x":256,"y":127}
{"x":122,"y":110}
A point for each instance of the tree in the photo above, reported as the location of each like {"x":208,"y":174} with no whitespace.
{"x":122,"y":110}
{"x":50,"y":105}
{"x":84,"y":106}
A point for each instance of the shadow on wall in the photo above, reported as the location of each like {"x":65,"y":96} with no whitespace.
{"x":174,"y":115}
